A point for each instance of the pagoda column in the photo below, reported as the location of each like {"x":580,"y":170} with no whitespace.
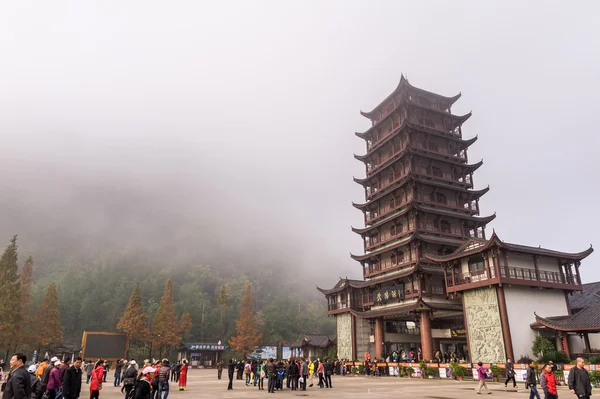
{"x":504,"y":323}
{"x":586,"y":340}
{"x":378,"y":337}
{"x":426,"y":341}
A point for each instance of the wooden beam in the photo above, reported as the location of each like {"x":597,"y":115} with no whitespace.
{"x":505,"y":325}
{"x":536,"y":267}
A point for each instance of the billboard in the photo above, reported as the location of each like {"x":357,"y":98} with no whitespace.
{"x":263,"y":352}
{"x":104,"y":345}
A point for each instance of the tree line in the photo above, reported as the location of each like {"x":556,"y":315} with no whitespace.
{"x":159,"y":305}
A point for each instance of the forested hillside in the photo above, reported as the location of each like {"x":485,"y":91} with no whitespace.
{"x":94,"y":291}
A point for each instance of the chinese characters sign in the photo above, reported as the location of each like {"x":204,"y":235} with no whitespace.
{"x":384,"y":295}
{"x":206,"y":347}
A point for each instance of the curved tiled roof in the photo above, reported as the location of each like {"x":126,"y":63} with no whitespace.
{"x":589,"y":296}
{"x":404,"y":83}
{"x":477,"y":246}
{"x":588,"y":319}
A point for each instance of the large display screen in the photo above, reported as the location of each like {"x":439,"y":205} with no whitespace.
{"x":99,"y":345}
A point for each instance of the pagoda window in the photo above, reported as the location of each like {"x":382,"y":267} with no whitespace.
{"x":433,"y":146}
{"x":435,"y":171}
{"x":445,"y":226}
{"x":440,"y":198}
{"x":476,"y":264}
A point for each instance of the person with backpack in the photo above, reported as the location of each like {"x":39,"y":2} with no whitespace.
{"x":129,"y":378}
{"x":35,"y":382}
{"x":46,"y":376}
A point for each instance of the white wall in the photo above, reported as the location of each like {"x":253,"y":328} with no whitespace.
{"x":521,"y":302}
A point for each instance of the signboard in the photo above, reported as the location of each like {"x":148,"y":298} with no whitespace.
{"x":103,"y":345}
{"x":521,"y":375}
{"x":461,"y":333}
{"x":440,"y":333}
{"x":206,"y":347}
{"x":263,"y":352}
{"x":393,"y":371}
{"x":443,"y":372}
{"x":384,"y":295}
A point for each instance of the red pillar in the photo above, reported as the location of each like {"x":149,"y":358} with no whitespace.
{"x":378,"y":337}
{"x":426,"y":341}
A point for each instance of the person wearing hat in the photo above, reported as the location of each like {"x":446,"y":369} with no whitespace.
{"x":35,"y":382}
{"x":143,"y":389}
{"x":129,"y":377}
{"x":54,"y":380}
{"x":46,"y":377}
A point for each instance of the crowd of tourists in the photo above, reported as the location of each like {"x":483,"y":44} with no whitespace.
{"x":579,"y":380}
{"x":292,"y":374}
{"x":61,"y":379}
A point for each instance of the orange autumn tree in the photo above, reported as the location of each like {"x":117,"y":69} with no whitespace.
{"x":185,"y":324}
{"x":134,"y":321}
{"x":165,"y":326}
{"x":247,"y":332}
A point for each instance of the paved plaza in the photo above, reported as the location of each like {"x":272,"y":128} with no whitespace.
{"x":204,"y":384}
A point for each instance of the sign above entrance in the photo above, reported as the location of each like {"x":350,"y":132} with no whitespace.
{"x":206,"y":347}
{"x":384,"y":295}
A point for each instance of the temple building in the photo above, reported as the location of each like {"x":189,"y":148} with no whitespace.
{"x":427,"y":264}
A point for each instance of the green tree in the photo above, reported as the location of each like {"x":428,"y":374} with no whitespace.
{"x":223,"y":301}
{"x":165,"y":327}
{"x":27,"y":325}
{"x":10,"y":296}
{"x":541,"y":346}
{"x":48,"y":328}
{"x":248,"y":335}
{"x":134,"y":321}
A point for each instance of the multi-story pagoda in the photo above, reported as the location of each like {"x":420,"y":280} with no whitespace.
{"x":420,"y":203}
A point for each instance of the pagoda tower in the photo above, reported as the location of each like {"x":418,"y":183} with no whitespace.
{"x":419,"y":202}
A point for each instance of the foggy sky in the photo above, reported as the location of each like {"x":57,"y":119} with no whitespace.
{"x":149,"y":123}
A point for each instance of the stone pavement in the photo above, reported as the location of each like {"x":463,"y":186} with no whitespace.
{"x":204,"y":384}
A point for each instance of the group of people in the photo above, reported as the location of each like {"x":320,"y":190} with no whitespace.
{"x":56,"y":379}
{"x":47,"y":380}
{"x":579,"y":380}
{"x":294,"y":373}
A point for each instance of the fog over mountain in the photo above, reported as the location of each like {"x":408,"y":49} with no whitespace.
{"x":222,"y":133}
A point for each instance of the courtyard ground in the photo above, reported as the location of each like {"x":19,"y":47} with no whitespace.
{"x":204,"y":384}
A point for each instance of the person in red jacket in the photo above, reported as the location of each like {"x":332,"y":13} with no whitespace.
{"x":548,"y":382}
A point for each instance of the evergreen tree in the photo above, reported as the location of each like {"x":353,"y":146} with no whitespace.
{"x":134,"y":321}
{"x":247,"y":331}
{"x":28,"y":321}
{"x":185,"y":324}
{"x":222,"y":301}
{"x":48,"y":328}
{"x":10,"y":296}
{"x":165,"y":327}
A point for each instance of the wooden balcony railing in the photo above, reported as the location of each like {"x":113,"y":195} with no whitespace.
{"x":338,"y":306}
{"x":510,"y":273}
{"x":398,"y":203}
